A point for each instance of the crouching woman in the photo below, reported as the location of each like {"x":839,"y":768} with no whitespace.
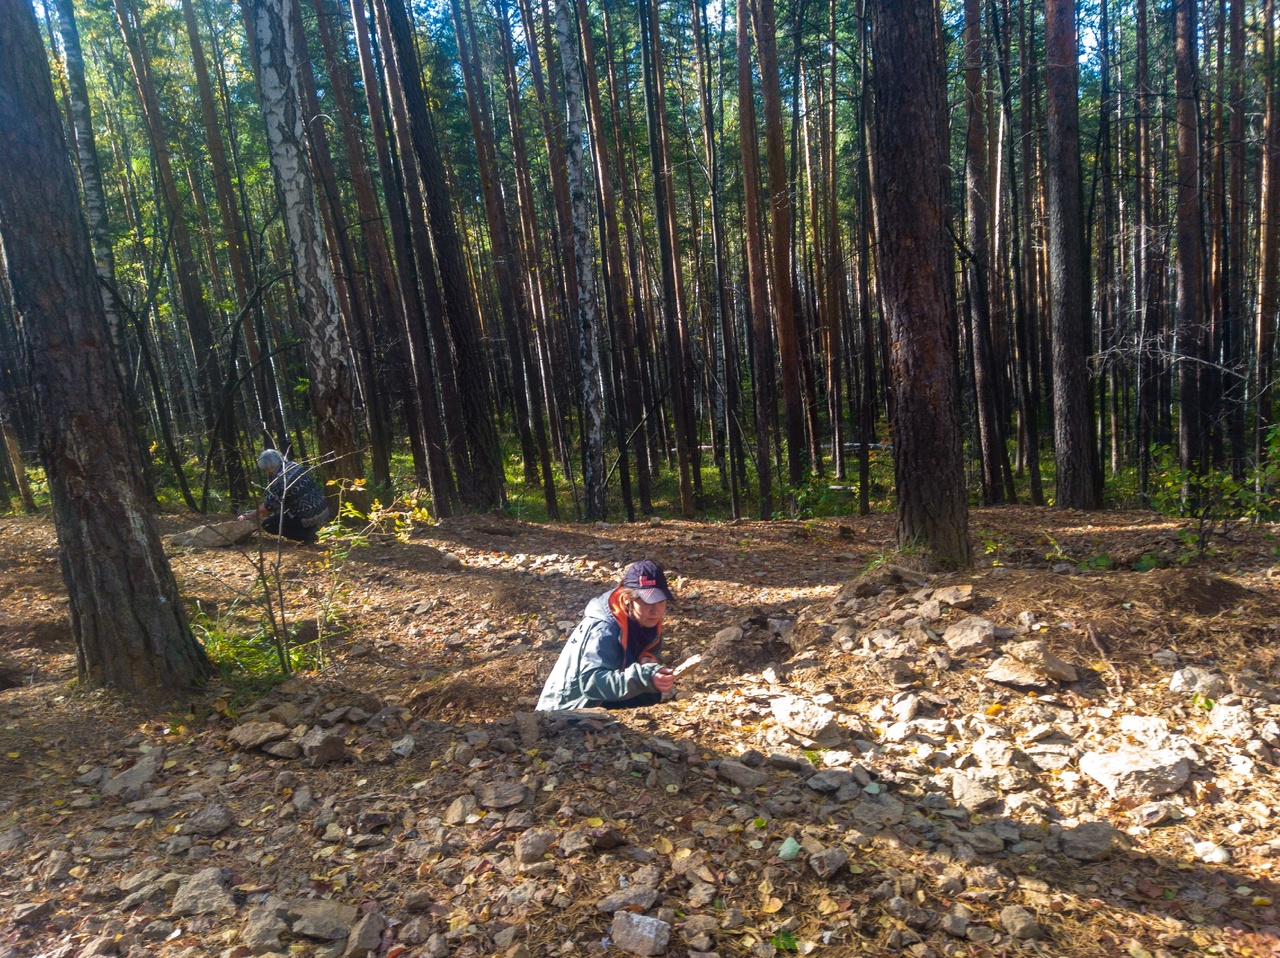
{"x":611,"y":659}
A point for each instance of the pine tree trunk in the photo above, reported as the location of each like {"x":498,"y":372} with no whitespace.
{"x":388,"y":353}
{"x":511,"y":301}
{"x":1189,"y":262}
{"x":127,"y":617}
{"x":617,"y":300}
{"x":753,"y":241}
{"x":486,"y":488}
{"x":424,"y":262}
{"x":530,"y":265}
{"x":978,"y":205}
{"x":353,"y":301}
{"x":95,"y":201}
{"x":1233,"y":331}
{"x":910,"y":211}
{"x":410,"y":309}
{"x":228,"y":207}
{"x":673,"y":307}
{"x":780,"y":221}
{"x":1079,"y":481}
{"x":1029,"y":313}
{"x":727,"y":360}
{"x":1269,"y":251}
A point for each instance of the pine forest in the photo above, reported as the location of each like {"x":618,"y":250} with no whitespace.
{"x":599,"y":260}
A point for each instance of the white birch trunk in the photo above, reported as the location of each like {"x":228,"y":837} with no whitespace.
{"x":332,"y":395}
{"x":593,"y":478}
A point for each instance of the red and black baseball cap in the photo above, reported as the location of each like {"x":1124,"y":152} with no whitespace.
{"x":648,"y":580}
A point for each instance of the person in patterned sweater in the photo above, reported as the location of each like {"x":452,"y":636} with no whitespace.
{"x":294,"y":507}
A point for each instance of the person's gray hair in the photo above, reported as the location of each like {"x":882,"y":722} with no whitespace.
{"x":269,"y":457}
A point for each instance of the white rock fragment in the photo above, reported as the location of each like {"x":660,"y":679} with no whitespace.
{"x":1194,"y":681}
{"x":1036,"y":654}
{"x":639,"y":934}
{"x":1211,"y":853}
{"x":1232,"y":722}
{"x":807,"y":719}
{"x":1136,"y":774}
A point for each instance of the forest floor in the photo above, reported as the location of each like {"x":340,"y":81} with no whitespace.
{"x":848,"y":772}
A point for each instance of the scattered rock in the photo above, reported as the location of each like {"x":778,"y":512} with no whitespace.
{"x":956,"y":596}
{"x":132,"y":781}
{"x":1137,"y":775}
{"x":533,"y":844}
{"x":1195,"y":681}
{"x":204,"y":893}
{"x":324,"y":746}
{"x":740,"y":774}
{"x":1088,"y":842}
{"x":322,"y":920}
{"x":971,"y":795}
{"x":500,"y":795}
{"x":807,"y":719}
{"x":640,"y":897}
{"x":208,"y":822}
{"x":1020,"y":923}
{"x":639,"y":934}
{"x":970,"y":637}
{"x":257,"y":734}
{"x":828,"y":861}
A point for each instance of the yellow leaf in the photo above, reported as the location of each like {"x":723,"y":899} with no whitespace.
{"x":995,"y":709}
{"x":827,"y":907}
{"x":771,"y":906}
{"x":1262,"y":901}
{"x":595,"y":822}
{"x":15,"y":755}
{"x":663,"y":845}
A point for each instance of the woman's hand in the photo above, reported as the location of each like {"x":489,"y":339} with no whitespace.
{"x":664,"y":680}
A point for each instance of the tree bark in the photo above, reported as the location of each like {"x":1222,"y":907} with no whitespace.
{"x":127,"y":617}
{"x":486,"y":488}
{"x":673,"y":306}
{"x":753,"y":241}
{"x":228,"y":206}
{"x":994,"y":452}
{"x":780,"y":234}
{"x":910,"y":211}
{"x":511,"y":300}
{"x":1079,"y":481}
{"x":593,"y":479}
{"x":1233,"y":332}
{"x":1189,"y":261}
{"x":1269,"y":252}
{"x":529,"y":265}
{"x":271,"y":42}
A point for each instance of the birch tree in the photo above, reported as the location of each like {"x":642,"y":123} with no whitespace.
{"x":271,"y":43}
